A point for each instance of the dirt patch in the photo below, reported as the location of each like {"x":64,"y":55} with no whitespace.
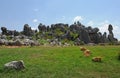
{"x":13,"y":46}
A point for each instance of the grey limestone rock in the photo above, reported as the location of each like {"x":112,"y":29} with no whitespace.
{"x":18,"y":65}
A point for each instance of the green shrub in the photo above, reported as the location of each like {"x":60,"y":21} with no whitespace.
{"x":119,"y":56}
{"x":42,"y":41}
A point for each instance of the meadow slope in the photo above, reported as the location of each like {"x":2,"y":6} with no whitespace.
{"x":61,"y":62}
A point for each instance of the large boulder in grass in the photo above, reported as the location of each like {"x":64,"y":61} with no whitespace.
{"x":18,"y":65}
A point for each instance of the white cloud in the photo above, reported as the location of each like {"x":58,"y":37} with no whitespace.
{"x":104,"y":28}
{"x":35,"y":20}
{"x":78,"y":18}
{"x":33,"y":28}
{"x":90,"y":23}
{"x":116,"y":31}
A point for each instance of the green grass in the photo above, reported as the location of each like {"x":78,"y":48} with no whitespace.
{"x":61,"y":62}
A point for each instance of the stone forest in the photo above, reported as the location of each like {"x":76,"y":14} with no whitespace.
{"x":56,"y":34}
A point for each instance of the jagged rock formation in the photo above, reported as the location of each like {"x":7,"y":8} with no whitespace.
{"x":27,"y":31}
{"x":77,"y":32}
{"x":111,"y":35}
{"x":9,"y":32}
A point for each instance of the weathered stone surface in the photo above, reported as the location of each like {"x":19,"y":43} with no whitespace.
{"x":55,"y":42}
{"x":3,"y":42}
{"x":18,"y":65}
{"x":3,"y":37}
{"x":105,"y":40}
{"x":27,"y":31}
{"x":9,"y":32}
{"x":18,"y":42}
{"x":42,"y":28}
{"x":93,"y":34}
{"x":85,"y":36}
{"x":4,"y":30}
{"x":78,"y":42}
{"x":28,"y":42}
{"x":110,"y":28}
{"x":111,"y":35}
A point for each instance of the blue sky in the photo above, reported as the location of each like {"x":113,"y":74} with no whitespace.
{"x":97,"y":13}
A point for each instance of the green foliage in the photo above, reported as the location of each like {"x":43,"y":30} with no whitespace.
{"x":58,"y":32}
{"x":113,"y":43}
{"x":61,"y":62}
{"x":74,"y":35}
{"x":64,"y":41}
{"x":48,"y":36}
{"x":82,"y":43}
{"x":8,"y":37}
{"x":119,"y":56}
{"x":42,"y":41}
{"x":110,"y":43}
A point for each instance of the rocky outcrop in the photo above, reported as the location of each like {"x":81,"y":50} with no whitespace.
{"x":27,"y":31}
{"x":9,"y":32}
{"x":77,"y":32}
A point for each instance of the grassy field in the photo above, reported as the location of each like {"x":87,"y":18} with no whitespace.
{"x":61,"y":62}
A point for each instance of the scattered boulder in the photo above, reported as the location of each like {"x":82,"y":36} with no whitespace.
{"x":97,"y":59}
{"x":18,"y":65}
{"x":83,"y":49}
{"x":87,"y":53}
